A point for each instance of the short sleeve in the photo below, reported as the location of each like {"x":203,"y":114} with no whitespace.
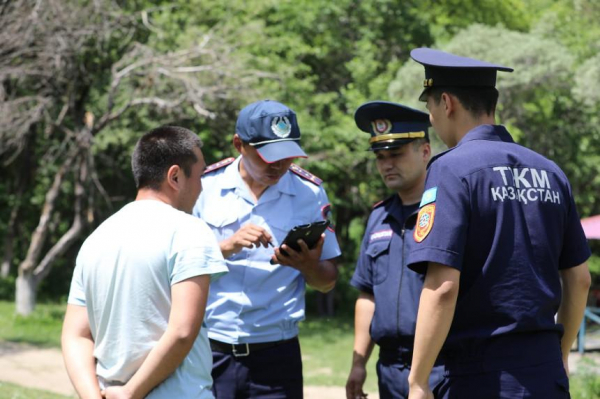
{"x":195,"y":252}
{"x":363,"y":274}
{"x":575,"y":248}
{"x":331,"y":248}
{"x":441,"y":230}
{"x":77,"y":290}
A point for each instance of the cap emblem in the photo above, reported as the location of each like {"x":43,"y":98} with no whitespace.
{"x":428,"y":82}
{"x":281,"y":126}
{"x":382,"y":126}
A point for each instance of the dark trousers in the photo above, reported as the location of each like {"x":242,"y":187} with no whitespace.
{"x":547,"y":381}
{"x":393,"y":368}
{"x":510,"y":367}
{"x":271,"y":373}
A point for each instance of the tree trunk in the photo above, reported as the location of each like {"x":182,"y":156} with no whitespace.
{"x":27,"y":281}
{"x":26,"y":292}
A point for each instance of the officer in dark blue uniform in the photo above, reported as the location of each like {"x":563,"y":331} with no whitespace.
{"x":387,"y":306}
{"x":497,"y":231}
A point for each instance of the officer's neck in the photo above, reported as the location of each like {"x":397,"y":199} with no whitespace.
{"x":255,"y":187}
{"x":412,"y":195}
{"x":464,"y":122}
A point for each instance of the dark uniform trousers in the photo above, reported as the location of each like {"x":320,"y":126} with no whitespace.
{"x":266,"y":371}
{"x":514,"y":366}
{"x":393,"y":368}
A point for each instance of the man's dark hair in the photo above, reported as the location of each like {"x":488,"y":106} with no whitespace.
{"x":477,"y":101}
{"x":158,"y":150}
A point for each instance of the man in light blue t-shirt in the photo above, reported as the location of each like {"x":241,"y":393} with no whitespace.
{"x":140,"y":285}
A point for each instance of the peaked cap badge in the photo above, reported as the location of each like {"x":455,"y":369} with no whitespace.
{"x":281,"y":126}
{"x":381,"y":126}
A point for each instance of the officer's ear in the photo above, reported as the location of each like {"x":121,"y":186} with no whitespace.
{"x":238,"y":143}
{"x":426,"y":151}
{"x":448,"y":103}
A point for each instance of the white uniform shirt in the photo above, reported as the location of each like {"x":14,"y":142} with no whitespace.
{"x":257,"y":301}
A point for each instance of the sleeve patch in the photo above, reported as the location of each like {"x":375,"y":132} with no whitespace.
{"x":424,"y":222}
{"x":305,"y":174}
{"x":326,"y":213}
{"x":429,"y":196}
{"x":219,"y":165}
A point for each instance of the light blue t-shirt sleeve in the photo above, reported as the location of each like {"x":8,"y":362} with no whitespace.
{"x":77,"y":291}
{"x":195,"y":252}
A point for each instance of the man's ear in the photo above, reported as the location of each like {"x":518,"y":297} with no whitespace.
{"x":238,"y":143}
{"x":174,"y":177}
{"x":449,"y":103}
{"x":426,"y":151}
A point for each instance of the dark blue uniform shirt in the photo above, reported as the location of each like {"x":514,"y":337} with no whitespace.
{"x":381,"y":270}
{"x":504,"y":216}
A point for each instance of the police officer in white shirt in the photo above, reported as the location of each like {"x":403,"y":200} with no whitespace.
{"x":250,"y":203}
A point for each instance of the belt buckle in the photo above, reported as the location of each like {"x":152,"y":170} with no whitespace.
{"x":236,"y":354}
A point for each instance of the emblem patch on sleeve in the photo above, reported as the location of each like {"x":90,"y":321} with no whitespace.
{"x":326,"y":213}
{"x":429,"y":196}
{"x":424,"y":222}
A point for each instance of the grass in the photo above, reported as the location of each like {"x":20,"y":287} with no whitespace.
{"x":11,"y":391}
{"x":327,"y":353}
{"x":42,"y":328}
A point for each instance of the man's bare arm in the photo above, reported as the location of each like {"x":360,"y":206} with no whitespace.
{"x":78,"y":352}
{"x":363,"y":345}
{"x":575,"y":286}
{"x":436,"y":312}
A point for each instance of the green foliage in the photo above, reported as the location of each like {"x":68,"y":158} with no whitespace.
{"x":42,"y":328}
{"x":585,"y":384}
{"x":594,"y":265}
{"x":7,"y":288}
{"x":324,"y":59}
{"x":447,"y":17}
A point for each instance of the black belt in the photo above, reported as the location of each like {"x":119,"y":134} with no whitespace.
{"x":241,"y":350}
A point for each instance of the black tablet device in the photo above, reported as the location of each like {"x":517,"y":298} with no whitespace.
{"x":309,"y":233}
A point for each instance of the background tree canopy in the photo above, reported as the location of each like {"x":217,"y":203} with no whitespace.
{"x":81,"y":81}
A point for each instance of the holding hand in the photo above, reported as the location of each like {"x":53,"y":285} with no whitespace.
{"x":302,"y":260}
{"x":116,"y":392}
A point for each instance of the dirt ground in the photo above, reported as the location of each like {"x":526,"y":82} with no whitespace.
{"x":43,"y":369}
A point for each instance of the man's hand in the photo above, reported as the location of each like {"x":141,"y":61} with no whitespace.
{"x":416,"y":391}
{"x":302,"y":260}
{"x":356,"y":380}
{"x":319,"y":274}
{"x":118,"y":392}
{"x":247,"y":236}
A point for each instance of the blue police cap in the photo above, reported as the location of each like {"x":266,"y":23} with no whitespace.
{"x":449,"y":70}
{"x":391,"y":125}
{"x":272,"y":129}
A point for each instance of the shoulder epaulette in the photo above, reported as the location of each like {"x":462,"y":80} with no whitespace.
{"x":218,"y":165}
{"x":377,"y":204}
{"x":305,"y":174}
